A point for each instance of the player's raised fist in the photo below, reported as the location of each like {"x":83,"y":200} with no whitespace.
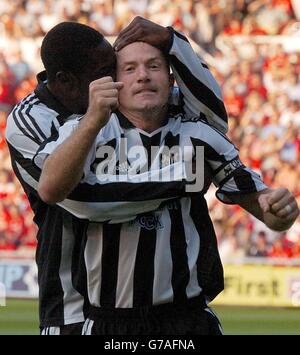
{"x":103,"y":99}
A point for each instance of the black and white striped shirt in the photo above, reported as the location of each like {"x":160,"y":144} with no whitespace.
{"x":166,"y":255}
{"x":62,"y":236}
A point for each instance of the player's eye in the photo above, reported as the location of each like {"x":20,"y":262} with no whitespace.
{"x":129,"y":69}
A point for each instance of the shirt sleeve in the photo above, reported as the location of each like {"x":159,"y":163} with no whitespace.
{"x":228,"y":173}
{"x":200,"y":91}
{"x":100,"y":199}
{"x":27,"y":127}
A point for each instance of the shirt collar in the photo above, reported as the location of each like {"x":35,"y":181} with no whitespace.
{"x":126,"y":124}
{"x":123,"y":120}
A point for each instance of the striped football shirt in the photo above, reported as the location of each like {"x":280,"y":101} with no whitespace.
{"x":63,"y":229}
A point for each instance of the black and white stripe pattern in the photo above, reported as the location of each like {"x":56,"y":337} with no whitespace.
{"x":36,"y":119}
{"x":31,"y":122}
{"x":50,"y":331}
{"x":27,"y":126}
{"x":149,"y":261}
{"x":171,"y":254}
{"x":201,"y":92}
{"x":87,"y":327}
{"x":24,"y":117}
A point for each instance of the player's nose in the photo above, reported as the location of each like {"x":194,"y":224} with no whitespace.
{"x":142,"y":74}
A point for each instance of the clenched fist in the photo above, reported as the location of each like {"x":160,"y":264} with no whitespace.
{"x":103,"y":99}
{"x":280,"y":203}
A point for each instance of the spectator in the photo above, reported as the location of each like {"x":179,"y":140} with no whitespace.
{"x":260,"y":247}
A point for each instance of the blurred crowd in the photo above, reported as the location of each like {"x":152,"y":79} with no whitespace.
{"x":260,"y":82}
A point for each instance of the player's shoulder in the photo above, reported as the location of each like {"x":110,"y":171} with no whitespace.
{"x":30,"y":107}
{"x":31,"y":118}
{"x":197,"y":122}
{"x":197,"y":127}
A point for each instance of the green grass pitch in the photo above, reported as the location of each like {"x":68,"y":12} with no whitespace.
{"x":20,"y":317}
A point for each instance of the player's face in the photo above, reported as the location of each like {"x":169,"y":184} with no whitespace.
{"x":102,"y":62}
{"x":145,"y":74}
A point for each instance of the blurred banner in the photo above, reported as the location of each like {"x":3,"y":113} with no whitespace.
{"x":19,"y":278}
{"x":260,"y":285}
{"x":2,"y":295}
{"x":245,"y":285}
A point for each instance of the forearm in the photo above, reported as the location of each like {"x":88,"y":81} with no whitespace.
{"x":63,"y":169}
{"x":201,"y":92}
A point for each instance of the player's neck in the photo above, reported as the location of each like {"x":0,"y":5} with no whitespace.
{"x":147,"y":120}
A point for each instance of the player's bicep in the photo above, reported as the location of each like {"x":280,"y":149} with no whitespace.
{"x":201,"y":92}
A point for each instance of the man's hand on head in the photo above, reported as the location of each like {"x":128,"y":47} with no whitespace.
{"x":143,"y":30}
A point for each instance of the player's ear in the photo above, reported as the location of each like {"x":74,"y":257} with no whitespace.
{"x":67,"y":79}
{"x":63,"y":77}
